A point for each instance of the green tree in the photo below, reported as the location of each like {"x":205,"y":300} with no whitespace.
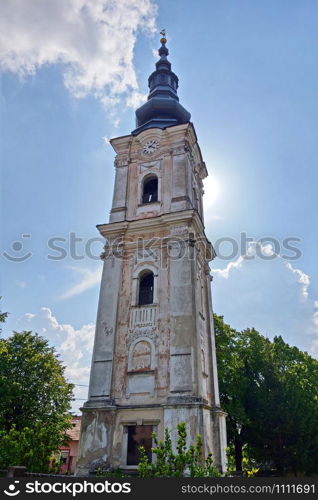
{"x":35,"y":401}
{"x":287,"y":409}
{"x":232,"y":385}
{"x":270,"y":392}
{"x":3,"y":317}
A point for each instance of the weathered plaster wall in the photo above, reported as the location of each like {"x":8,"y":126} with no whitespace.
{"x":154,"y":363}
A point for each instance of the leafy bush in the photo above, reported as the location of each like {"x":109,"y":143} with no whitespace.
{"x":31,"y":447}
{"x":185,"y":462}
{"x":250,"y":467}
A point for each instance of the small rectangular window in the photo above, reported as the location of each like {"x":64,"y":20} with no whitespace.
{"x":65,"y":456}
{"x":138,"y":435}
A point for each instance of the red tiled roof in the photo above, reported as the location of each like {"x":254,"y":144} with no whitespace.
{"x":74,"y":433}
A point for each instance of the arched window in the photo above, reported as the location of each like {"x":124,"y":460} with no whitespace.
{"x":150,"y":190}
{"x":146,"y":289}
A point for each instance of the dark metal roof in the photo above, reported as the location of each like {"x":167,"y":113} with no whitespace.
{"x":162,"y":108}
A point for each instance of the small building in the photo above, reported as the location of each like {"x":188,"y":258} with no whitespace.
{"x":68,"y":453}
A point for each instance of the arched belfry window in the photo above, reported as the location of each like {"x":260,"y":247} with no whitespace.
{"x":150,"y":190}
{"x":146,"y":282}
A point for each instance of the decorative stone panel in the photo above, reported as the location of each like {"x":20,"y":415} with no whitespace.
{"x":143,"y":316}
{"x":141,"y":356}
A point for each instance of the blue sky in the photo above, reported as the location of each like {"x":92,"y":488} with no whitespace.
{"x":72,"y":74}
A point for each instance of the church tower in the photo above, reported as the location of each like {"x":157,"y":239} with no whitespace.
{"x":154,"y":360}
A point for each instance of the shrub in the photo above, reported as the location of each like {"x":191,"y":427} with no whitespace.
{"x":184,"y":462}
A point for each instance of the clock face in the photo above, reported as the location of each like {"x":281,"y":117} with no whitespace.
{"x":150,"y":147}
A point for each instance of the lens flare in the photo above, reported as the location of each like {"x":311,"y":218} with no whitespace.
{"x":211,"y":191}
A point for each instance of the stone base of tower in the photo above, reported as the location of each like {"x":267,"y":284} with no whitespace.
{"x":209,"y":422}
{"x":105,"y":431}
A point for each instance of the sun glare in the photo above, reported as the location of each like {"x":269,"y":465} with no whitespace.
{"x":211,"y":191}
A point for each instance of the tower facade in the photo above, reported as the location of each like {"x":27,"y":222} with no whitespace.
{"x":154,"y":359}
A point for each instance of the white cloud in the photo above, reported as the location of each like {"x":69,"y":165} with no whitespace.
{"x":89,"y":279}
{"x":225,"y":273}
{"x":135,"y":99}
{"x":302,"y":278}
{"x":254,"y":249}
{"x":267,"y":250}
{"x":93,"y":40}
{"x":75,"y":346}
{"x":270,"y":294}
{"x":29,"y":316}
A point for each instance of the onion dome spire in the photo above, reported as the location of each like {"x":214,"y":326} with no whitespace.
{"x":162,"y":108}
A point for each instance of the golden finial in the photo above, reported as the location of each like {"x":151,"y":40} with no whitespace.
{"x":163,"y":39}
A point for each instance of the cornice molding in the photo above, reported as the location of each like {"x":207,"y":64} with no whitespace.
{"x":187,"y":218}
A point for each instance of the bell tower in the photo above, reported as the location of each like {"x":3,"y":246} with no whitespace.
{"x":154,"y":359}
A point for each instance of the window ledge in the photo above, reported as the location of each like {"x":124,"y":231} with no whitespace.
{"x":141,"y":306}
{"x":149,"y":203}
{"x":153,"y":206}
{"x":141,"y":372}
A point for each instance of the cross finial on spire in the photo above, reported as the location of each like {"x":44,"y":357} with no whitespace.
{"x":163,"y":40}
